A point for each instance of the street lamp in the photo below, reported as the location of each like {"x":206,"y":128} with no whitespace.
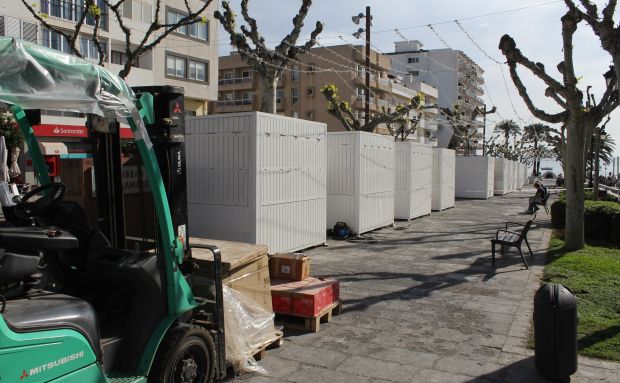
{"x":356,"y":19}
{"x":610,"y":75}
{"x":601,"y":136}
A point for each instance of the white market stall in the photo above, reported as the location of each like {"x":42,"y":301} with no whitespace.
{"x":360,"y":180}
{"x":502,"y":177}
{"x":257,"y":178}
{"x":443,"y":179}
{"x":414,"y":179}
{"x":475,"y":177}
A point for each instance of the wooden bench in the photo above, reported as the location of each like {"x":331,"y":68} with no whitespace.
{"x":506,"y":238}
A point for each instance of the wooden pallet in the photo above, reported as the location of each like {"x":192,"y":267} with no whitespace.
{"x":312,"y":324}
{"x":274,"y":342}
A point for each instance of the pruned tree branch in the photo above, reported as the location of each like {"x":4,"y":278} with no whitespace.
{"x":132,"y":51}
{"x":268,"y":63}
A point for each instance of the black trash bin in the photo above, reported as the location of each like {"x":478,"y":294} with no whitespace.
{"x":555,"y":331}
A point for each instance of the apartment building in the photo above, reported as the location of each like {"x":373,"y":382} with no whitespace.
{"x":457,"y":77}
{"x":299,"y":89}
{"x":186,"y":58}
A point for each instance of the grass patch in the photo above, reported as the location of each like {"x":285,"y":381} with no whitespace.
{"x":593,"y":273}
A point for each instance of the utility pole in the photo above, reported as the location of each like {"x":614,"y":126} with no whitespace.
{"x":357,"y":35}
{"x":368,"y":22}
{"x":484,"y":113}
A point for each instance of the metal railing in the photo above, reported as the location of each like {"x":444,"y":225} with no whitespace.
{"x":236,"y":80}
{"x":234,"y":102}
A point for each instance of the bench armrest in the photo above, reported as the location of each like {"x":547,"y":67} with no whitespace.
{"x":513,"y":224}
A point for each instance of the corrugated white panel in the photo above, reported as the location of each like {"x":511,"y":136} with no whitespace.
{"x":414,"y":178}
{"x":376,"y":204}
{"x":474,"y":177}
{"x":360,"y":180}
{"x":502,"y":174}
{"x":291,"y":182}
{"x":443,"y":179}
{"x":341,"y":178}
{"x":257,"y":178}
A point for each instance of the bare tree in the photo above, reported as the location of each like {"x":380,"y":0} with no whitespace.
{"x":580,"y":118}
{"x":268,"y":63}
{"x":464,"y":128}
{"x":133,"y":51}
{"x":534,"y":135}
{"x":400,"y":115}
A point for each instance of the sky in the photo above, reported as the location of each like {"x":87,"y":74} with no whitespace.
{"x":536,"y":30}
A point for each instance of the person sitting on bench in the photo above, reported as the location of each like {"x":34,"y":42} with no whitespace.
{"x":538,"y":198}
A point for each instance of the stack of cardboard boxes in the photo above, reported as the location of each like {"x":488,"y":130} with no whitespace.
{"x":295,"y":293}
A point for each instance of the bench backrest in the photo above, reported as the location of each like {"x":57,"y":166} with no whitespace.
{"x":526,"y":228}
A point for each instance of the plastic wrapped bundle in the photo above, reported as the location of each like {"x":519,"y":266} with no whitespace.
{"x":248,"y":327}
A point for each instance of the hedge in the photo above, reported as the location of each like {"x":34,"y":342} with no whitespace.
{"x":602,"y":219}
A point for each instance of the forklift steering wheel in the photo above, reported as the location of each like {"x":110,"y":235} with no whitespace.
{"x":53,"y":193}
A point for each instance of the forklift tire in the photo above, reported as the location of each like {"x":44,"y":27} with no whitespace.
{"x":186,"y":355}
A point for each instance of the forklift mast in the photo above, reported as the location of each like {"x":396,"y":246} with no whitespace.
{"x":167,"y":133}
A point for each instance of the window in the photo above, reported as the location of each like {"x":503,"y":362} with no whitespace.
{"x":412,"y":60}
{"x":141,"y":12}
{"x":175,"y":66}
{"x":89,"y":49}
{"x":73,"y":10}
{"x":295,"y":73}
{"x":127,"y":6}
{"x":229,"y":96}
{"x":13,"y":27}
{"x":279,"y":96}
{"x":310,"y":91}
{"x":247,"y":74}
{"x":198,"y":30}
{"x":310,"y":115}
{"x":414,"y":72}
{"x":311,"y":67}
{"x":197,"y":70}
{"x":295,"y":114}
{"x":119,"y":58}
{"x":173,"y":17}
{"x":294,"y":95}
{"x":54,"y":40}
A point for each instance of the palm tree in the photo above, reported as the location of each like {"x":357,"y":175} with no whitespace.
{"x":507,"y":128}
{"x":535,"y":134}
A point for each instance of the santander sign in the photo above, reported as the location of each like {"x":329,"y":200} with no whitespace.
{"x":54,"y":130}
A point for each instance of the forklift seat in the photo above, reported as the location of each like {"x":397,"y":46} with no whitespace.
{"x":50,"y":311}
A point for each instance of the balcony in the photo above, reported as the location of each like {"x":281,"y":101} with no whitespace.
{"x":70,"y":12}
{"x":403,"y":91}
{"x":360,"y":103}
{"x":238,"y":83}
{"x":231,"y":106}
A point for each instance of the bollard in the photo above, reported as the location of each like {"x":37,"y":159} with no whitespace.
{"x":555,"y":331}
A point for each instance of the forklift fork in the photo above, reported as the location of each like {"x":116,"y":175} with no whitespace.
{"x":220,"y":344}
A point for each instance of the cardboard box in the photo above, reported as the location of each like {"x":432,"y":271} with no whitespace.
{"x":245,"y":268}
{"x":292,"y":267}
{"x":307,"y":298}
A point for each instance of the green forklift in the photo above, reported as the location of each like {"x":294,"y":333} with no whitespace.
{"x":76,"y":304}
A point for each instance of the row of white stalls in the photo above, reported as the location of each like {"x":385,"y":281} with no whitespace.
{"x":279,"y":181}
{"x":483,"y":177}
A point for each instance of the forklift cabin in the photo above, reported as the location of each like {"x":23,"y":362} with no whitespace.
{"x":76,"y":304}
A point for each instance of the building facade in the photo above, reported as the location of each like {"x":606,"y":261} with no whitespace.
{"x":299,"y":89}
{"x":186,"y":58}
{"x":457,"y":77}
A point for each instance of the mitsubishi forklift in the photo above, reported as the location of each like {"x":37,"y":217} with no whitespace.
{"x":77,"y":305}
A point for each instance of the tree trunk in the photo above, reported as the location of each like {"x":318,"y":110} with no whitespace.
{"x":268,"y":95}
{"x":575,"y":176}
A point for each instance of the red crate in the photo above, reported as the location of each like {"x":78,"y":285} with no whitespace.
{"x":307,"y":298}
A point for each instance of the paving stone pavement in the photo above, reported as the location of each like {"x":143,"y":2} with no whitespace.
{"x":423,"y":304}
